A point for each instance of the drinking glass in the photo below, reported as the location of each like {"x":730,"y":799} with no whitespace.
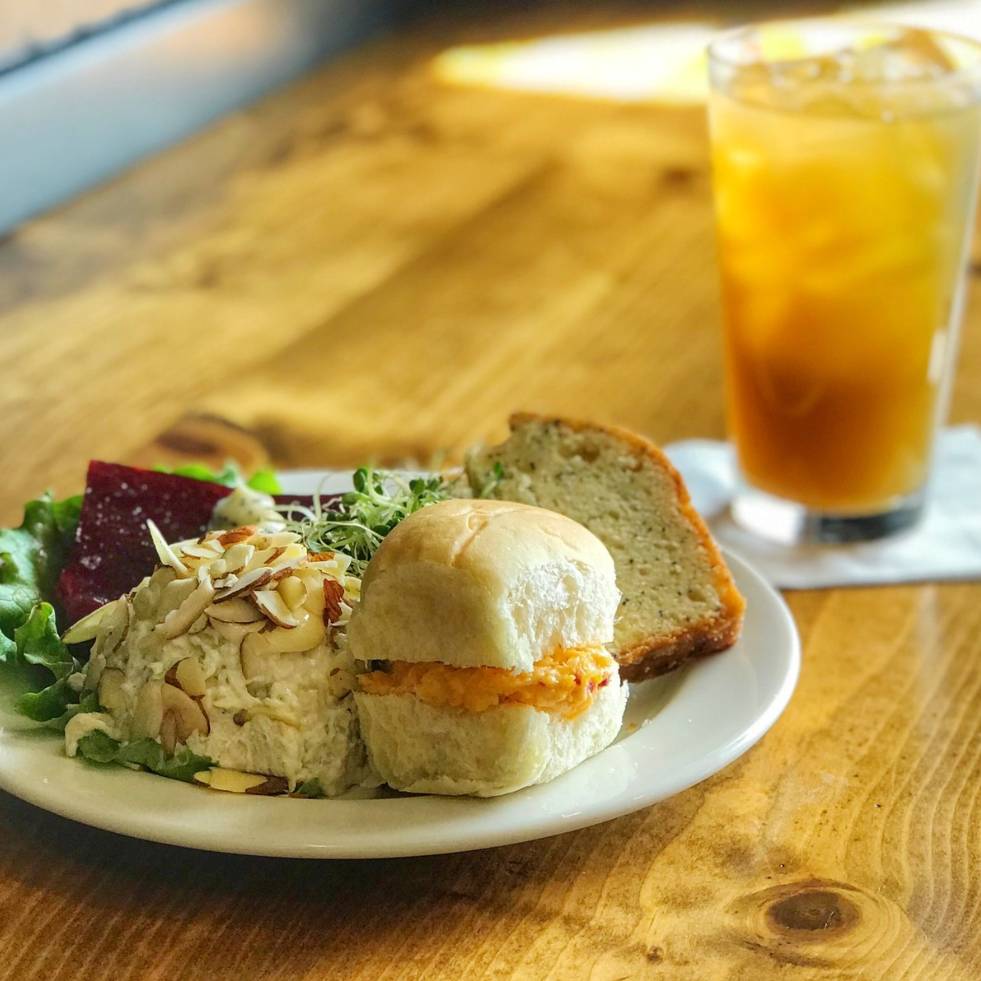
{"x":845,"y":163}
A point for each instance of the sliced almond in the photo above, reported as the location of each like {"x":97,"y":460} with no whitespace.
{"x":309,"y":634}
{"x":190,"y":717}
{"x":293,"y":592}
{"x":147,"y":595}
{"x":188,"y":675}
{"x":265,"y":557}
{"x":111,"y":695}
{"x":238,"y":556}
{"x":168,"y":733}
{"x":114,"y":628}
{"x":94,"y":671}
{"x":88,"y":627}
{"x":172,"y":595}
{"x":283,"y":571}
{"x":275,"y":609}
{"x":165,"y":553}
{"x":251,"y":653}
{"x":209,"y":549}
{"x":149,"y":710}
{"x":293,"y":554}
{"x":179,"y":621}
{"x":162,"y":576}
{"x":271,"y":787}
{"x":279,"y":556}
{"x":279,"y":539}
{"x":252,"y":580}
{"x":198,"y":625}
{"x":231,"y":781}
{"x":237,"y":632}
{"x":236,"y":535}
{"x":333,"y":594}
{"x":145,"y":599}
{"x":330,"y":568}
{"x":236,"y":610}
{"x":314,"y":603}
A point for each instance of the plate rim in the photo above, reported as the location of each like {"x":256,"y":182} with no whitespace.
{"x":41,"y":793}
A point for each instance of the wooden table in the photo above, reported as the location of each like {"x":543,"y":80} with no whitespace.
{"x":373,"y":264}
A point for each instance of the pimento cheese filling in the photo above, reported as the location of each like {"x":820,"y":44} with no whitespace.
{"x":565,"y":682}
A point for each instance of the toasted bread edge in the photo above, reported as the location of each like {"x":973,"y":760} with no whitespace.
{"x":659,"y":654}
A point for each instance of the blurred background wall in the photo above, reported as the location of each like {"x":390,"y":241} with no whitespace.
{"x":87,"y":87}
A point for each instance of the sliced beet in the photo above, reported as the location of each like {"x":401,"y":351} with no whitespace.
{"x":112,"y":550}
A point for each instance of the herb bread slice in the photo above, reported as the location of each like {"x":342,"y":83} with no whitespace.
{"x":679,"y":599}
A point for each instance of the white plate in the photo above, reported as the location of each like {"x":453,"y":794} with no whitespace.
{"x":678,"y":730}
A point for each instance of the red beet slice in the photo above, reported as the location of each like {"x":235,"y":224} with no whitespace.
{"x":112,"y":550}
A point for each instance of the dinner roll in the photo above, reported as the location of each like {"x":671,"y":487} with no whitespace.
{"x":483,"y":625}
{"x":493,"y":583}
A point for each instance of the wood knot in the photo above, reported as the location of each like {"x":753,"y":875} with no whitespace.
{"x":814,"y":909}
{"x":812,"y":922}
{"x":205,"y":439}
{"x":677,"y":176}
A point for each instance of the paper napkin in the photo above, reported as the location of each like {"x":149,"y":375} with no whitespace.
{"x":946,"y":545}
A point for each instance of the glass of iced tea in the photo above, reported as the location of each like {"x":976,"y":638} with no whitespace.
{"x":845,"y":161}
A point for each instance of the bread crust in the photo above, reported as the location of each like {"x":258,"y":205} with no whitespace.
{"x":659,"y":654}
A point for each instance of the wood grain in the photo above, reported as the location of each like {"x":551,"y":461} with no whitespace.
{"x":372,"y":265}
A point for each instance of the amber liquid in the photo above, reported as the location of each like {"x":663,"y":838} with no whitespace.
{"x":842,"y":240}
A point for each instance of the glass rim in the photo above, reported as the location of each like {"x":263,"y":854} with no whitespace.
{"x":968,"y":73}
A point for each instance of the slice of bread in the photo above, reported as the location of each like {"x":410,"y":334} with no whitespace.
{"x":679,"y":599}
{"x":425,"y":750}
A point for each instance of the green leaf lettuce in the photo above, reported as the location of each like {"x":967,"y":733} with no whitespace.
{"x":230,"y":476}
{"x":309,"y":788}
{"x":31,"y":558}
{"x":101,"y":748}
